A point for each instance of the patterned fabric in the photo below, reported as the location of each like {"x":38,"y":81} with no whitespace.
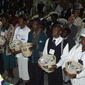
{"x":39,"y":43}
{"x":9,"y":37}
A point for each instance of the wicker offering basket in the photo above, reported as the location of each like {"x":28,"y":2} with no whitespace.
{"x":45,"y":62}
{"x":15,"y":46}
{"x":73,"y":67}
{"x":26,"y":49}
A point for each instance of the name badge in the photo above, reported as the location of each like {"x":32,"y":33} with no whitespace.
{"x":40,"y":41}
{"x":52,"y":51}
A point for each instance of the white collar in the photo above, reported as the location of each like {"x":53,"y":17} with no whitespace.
{"x":58,"y":40}
{"x":24,"y":28}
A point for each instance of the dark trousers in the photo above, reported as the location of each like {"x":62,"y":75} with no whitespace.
{"x":36,"y":74}
{"x":1,"y":64}
{"x":55,"y":78}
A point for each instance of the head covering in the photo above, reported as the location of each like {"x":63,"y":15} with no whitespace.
{"x":82,"y":32}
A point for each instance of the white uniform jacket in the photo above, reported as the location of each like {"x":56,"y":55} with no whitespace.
{"x":76,"y":54}
{"x":22,"y":34}
{"x":64,"y":51}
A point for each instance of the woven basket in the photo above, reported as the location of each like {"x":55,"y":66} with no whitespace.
{"x":45,"y":62}
{"x":25,"y":49}
{"x":73,"y":67}
{"x":15,"y":46}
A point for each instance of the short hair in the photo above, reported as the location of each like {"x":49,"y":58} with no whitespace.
{"x":68,"y":30}
{"x":57,"y":25}
{"x":22,"y":17}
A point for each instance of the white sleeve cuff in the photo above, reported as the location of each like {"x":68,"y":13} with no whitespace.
{"x":77,"y":76}
{"x":58,"y":65}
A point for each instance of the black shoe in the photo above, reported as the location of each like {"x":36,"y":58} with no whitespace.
{"x":19,"y":82}
{"x":68,"y":82}
{"x":28,"y":82}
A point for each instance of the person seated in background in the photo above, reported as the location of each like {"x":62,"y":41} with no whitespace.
{"x":70,"y":25}
{"x":53,"y":20}
{"x":77,"y":19}
{"x":66,"y":35}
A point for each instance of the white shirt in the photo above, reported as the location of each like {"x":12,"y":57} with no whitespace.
{"x":21,"y":34}
{"x":57,"y":41}
{"x":65,"y":50}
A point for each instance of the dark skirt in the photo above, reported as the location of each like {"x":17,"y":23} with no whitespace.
{"x":36,"y":74}
{"x":1,"y":63}
{"x":55,"y":78}
{"x":9,"y":61}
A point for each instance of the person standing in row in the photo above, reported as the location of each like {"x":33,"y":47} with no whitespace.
{"x":9,"y":58}
{"x":77,"y":54}
{"x":21,"y":33}
{"x":54,"y":46}
{"x":38,"y":38}
{"x":71,"y":42}
{"x":2,"y":32}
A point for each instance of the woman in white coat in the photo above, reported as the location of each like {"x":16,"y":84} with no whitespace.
{"x":21,"y":33}
{"x":77,"y":54}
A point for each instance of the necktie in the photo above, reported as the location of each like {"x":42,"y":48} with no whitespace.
{"x":54,"y":42}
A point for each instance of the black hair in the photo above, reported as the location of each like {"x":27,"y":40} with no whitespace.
{"x":22,"y":17}
{"x":68,"y":30}
{"x":57,"y":25}
{"x":54,"y":26}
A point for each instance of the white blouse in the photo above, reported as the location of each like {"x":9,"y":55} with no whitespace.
{"x":21,"y":34}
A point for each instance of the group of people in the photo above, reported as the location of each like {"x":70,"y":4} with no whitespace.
{"x":41,"y":7}
{"x":48,"y":37}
